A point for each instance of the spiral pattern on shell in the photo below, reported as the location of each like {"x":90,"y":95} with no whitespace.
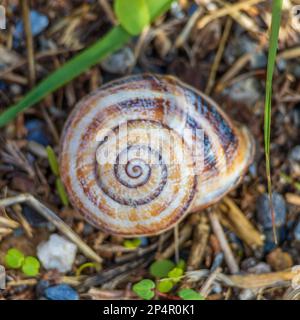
{"x":128,"y":157}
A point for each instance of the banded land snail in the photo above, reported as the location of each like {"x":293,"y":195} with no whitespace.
{"x":140,"y":153}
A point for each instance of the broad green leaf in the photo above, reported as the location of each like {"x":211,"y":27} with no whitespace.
{"x":161,"y":268}
{"x":133,"y":15}
{"x":14,"y":258}
{"x":190,"y":294}
{"x":52,"y":161}
{"x":110,"y":43}
{"x":275,"y":26}
{"x":165,"y":285}
{"x":144,"y":289}
{"x":61,"y":192}
{"x":158,"y":7}
{"x":31,"y":266}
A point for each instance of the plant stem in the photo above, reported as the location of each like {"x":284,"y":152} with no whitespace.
{"x":111,"y":42}
{"x":275,"y":26}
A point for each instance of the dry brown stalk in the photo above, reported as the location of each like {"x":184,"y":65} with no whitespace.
{"x":29,"y":42}
{"x":200,"y":240}
{"x":230,"y":9}
{"x":219,"y":232}
{"x":247,"y":281}
{"x":235,"y":219}
{"x":184,"y":235}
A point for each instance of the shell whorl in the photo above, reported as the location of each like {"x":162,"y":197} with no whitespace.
{"x":128,"y":157}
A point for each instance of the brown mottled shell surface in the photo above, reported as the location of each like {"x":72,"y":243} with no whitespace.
{"x":128,"y":158}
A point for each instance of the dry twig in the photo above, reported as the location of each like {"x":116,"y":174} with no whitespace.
{"x":54,"y":219}
{"x":218,"y":57}
{"x":230,"y":9}
{"x":29,"y":42}
{"x":200,"y":240}
{"x":185,"y":234}
{"x":234,"y":219}
{"x":247,"y":281}
{"x":217,"y":228}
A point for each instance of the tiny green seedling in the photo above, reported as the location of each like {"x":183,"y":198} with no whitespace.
{"x":132,"y":244}
{"x":168,"y":274}
{"x":86,"y":265}
{"x":53,"y":162}
{"x":175,"y":274}
{"x":61,"y":192}
{"x":173,"y":277}
{"x":144,"y":289}
{"x":161,"y":268}
{"x":15,"y":259}
{"x":31,"y":266}
{"x":165,"y":285}
{"x":190,"y":294}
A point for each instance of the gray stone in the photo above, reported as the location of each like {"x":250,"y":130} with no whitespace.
{"x":297,"y":232}
{"x":247,"y":91}
{"x":120,"y":62}
{"x":264,"y":211}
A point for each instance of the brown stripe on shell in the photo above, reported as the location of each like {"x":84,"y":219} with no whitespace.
{"x":237,"y":147}
{"x":129,"y":202}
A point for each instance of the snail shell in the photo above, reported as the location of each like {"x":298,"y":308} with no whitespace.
{"x":128,"y":158}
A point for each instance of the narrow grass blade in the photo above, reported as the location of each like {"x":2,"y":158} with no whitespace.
{"x":111,"y":42}
{"x":114,"y":40}
{"x":275,"y":26}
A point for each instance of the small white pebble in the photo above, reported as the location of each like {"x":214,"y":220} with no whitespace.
{"x":57,"y":253}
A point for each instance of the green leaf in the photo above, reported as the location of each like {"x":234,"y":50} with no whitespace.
{"x":158,"y":7}
{"x":14,"y":258}
{"x":165,"y":285}
{"x":175,"y":274}
{"x":161,"y":268}
{"x":190,"y":294}
{"x":110,"y":43}
{"x":61,"y":192}
{"x":133,"y":15}
{"x":275,"y":26}
{"x":132,"y":244}
{"x":31,"y":266}
{"x":52,"y":161}
{"x":144,"y":289}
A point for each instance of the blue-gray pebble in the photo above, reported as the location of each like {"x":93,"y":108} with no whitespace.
{"x":39,"y":22}
{"x":297,"y":232}
{"x":264,"y":212}
{"x":269,"y":243}
{"x":36,"y":131}
{"x":34,"y":219}
{"x":61,"y":292}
